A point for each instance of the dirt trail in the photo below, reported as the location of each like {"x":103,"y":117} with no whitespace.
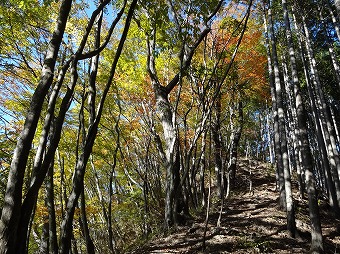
{"x":251,"y":223}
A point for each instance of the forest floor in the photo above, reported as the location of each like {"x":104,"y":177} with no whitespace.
{"x":251,"y":222}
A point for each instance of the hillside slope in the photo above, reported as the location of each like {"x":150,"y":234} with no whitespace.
{"x":251,"y":222}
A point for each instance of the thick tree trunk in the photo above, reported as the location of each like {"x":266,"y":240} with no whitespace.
{"x":168,"y":119}
{"x":306,"y":156}
{"x":11,"y":209}
{"x":172,"y":163}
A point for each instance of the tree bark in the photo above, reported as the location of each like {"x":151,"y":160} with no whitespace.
{"x":282,"y":137}
{"x":88,"y":241}
{"x":325,"y":119}
{"x":53,"y":241}
{"x":11,"y":209}
{"x":276,"y":139}
{"x":237,"y":126}
{"x":306,"y":156}
{"x":78,"y":181}
{"x":216,"y":135}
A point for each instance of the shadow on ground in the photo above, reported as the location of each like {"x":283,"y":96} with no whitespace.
{"x":251,"y":222}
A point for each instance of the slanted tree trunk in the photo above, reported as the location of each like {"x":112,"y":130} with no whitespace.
{"x":78,"y":180}
{"x":321,"y":142}
{"x":325,"y":119}
{"x":331,"y":51}
{"x":41,"y":163}
{"x":11,"y":209}
{"x":306,"y":156}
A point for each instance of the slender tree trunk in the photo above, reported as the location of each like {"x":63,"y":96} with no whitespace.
{"x":202,"y":170}
{"x":43,"y":248}
{"x":216,"y":135}
{"x":320,"y":139}
{"x":41,"y":163}
{"x":293,"y":128}
{"x":331,"y":51}
{"x":316,"y":232}
{"x":53,"y":241}
{"x":89,"y":243}
{"x":78,"y":181}
{"x":11,"y":209}
{"x":283,"y":141}
{"x":277,"y":147}
{"x":236,"y":136}
{"x":325,"y":119}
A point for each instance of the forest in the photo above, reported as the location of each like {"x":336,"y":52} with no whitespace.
{"x":121,"y":121}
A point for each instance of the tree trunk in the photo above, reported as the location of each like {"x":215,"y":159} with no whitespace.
{"x":53,"y":241}
{"x":331,"y":48}
{"x":277,"y":147}
{"x":88,"y":241}
{"x":283,"y":141}
{"x":78,"y":180}
{"x":202,"y":170}
{"x":216,"y":135}
{"x":325,"y":119}
{"x":306,"y":156}
{"x":293,"y":128}
{"x":43,"y":248}
{"x":235,"y":138}
{"x":11,"y":209}
{"x":168,"y":119}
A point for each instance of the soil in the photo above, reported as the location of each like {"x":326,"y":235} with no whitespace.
{"x":251,"y":222}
